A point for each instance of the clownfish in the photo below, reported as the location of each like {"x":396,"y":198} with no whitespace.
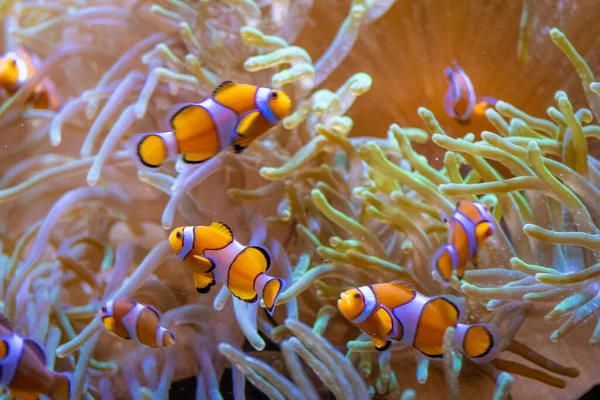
{"x":396,"y":311}
{"x":23,"y":368}
{"x":16,"y":67}
{"x":470,"y":224}
{"x":213,"y":255}
{"x":460,"y":101}
{"x":129,"y":319}
{"x":234,"y":116}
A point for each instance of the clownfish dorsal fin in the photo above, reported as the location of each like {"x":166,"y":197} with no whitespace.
{"x":223,"y":86}
{"x":224,"y":229}
{"x":402,"y":285}
{"x":36,"y":348}
{"x":5,"y":322}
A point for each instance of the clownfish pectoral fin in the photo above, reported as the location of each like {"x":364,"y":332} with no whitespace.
{"x":61,"y":387}
{"x":38,"y":350}
{"x":380,"y":344}
{"x":222,"y":86}
{"x":201,"y":264}
{"x":483,"y":230}
{"x":479,"y":342}
{"x":385,"y":323}
{"x":244,"y":125}
{"x":203,"y":282}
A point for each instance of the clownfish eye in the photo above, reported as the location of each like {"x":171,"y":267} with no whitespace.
{"x":103,"y":309}
{"x":13,"y":62}
{"x":357,"y":296}
{"x":178,"y":235}
{"x":273,"y":95}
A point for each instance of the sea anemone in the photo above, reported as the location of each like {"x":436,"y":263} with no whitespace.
{"x":342,"y":195}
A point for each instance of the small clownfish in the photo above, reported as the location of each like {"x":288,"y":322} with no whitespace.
{"x":129,"y":319}
{"x":16,"y":67}
{"x":23,"y":368}
{"x":234,"y":116}
{"x":470,"y":224}
{"x":213,"y":255}
{"x":395,"y":311}
{"x":460,"y":101}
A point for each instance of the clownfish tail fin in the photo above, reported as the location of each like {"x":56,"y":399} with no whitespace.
{"x":152,"y":149}
{"x":61,"y":387}
{"x":269,"y":289}
{"x":479,"y":342}
{"x":444,"y":262}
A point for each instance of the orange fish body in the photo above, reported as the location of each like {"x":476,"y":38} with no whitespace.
{"x":23,"y":368}
{"x":395,"y":311}
{"x":129,"y":319}
{"x":233,"y":117}
{"x":460,"y":101}
{"x":213,"y":255}
{"x":470,"y":224}
{"x":18,"y":66}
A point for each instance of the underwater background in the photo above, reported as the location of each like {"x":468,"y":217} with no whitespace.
{"x":345,"y":191}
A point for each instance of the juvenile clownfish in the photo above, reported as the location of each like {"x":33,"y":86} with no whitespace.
{"x":470,"y":224}
{"x":129,"y":319}
{"x":213,"y":255}
{"x":23,"y":368}
{"x":395,"y":311}
{"x":16,"y":67}
{"x":460,"y":101}
{"x":234,"y":116}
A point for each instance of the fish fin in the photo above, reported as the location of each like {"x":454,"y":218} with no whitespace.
{"x":270,"y":293}
{"x":482,"y":232}
{"x":385,"y":324}
{"x":224,"y":229}
{"x":151,"y":149}
{"x":3,"y":349}
{"x":481,"y":343}
{"x":244,"y":125}
{"x":203,"y":282}
{"x":197,"y":157}
{"x":200,"y":264}
{"x":61,"y":387}
{"x":25,"y":395}
{"x":222,"y":86}
{"x":5,"y":322}
{"x":257,"y":255}
{"x":443,"y":264}
{"x":168,"y":339}
{"x":380,"y":344}
{"x":37,"y":349}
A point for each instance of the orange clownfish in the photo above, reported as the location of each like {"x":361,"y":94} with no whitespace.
{"x":129,"y":319}
{"x":396,"y":311}
{"x":470,"y":224}
{"x":460,"y":101}
{"x":23,"y":368}
{"x":234,"y":116}
{"x":213,"y":255}
{"x":16,"y":67}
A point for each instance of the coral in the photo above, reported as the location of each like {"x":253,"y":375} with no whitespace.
{"x":336,"y":209}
